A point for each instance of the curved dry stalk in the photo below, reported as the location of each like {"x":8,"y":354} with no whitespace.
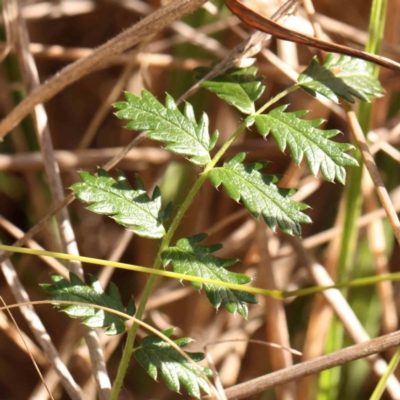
{"x":147,"y":26}
{"x":20,"y":333}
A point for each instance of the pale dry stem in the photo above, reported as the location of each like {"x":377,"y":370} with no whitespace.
{"x":67,"y":235}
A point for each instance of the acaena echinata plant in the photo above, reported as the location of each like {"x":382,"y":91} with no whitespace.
{"x":181,"y":133}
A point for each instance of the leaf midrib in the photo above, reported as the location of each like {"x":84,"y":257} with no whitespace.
{"x":174,"y":125}
{"x":310,"y":139}
{"x":259,"y":190}
{"x":131,"y":203}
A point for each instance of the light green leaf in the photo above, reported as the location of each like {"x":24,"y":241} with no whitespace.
{"x":189,"y":258}
{"x":346,"y":77}
{"x":238,"y":87}
{"x":131,"y":208}
{"x":76,"y":290}
{"x":180,"y":132}
{"x":156,"y":355}
{"x":304,"y":138}
{"x":260,"y":195}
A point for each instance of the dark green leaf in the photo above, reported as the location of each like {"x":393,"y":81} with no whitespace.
{"x":189,"y":258}
{"x":238,"y":87}
{"x":156,"y":355}
{"x":131,"y":208}
{"x":304,"y":138}
{"x":260,"y":195}
{"x":182,"y":134}
{"x":76,"y":290}
{"x":346,"y":77}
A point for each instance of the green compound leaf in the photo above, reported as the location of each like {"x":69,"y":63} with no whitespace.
{"x":346,"y":77}
{"x":189,"y":258}
{"x":180,"y":132}
{"x":238,"y":87}
{"x":304,"y":138}
{"x":76,"y":290}
{"x":116,"y":198}
{"x":260,"y":195}
{"x":156,"y":355}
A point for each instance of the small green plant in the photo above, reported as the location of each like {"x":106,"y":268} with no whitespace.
{"x":180,"y":133}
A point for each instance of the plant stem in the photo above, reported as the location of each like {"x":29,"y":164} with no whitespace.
{"x":380,"y":387}
{"x":127,"y":353}
{"x":277,"y":97}
{"x":128,"y":349}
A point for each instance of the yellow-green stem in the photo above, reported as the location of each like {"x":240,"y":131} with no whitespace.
{"x":380,"y":387}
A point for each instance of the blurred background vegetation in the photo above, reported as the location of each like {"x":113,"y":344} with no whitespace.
{"x":86,"y":134}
